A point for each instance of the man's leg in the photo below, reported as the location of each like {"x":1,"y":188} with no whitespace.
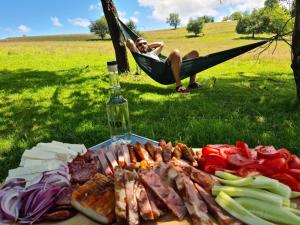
{"x":175,"y":60}
{"x":191,"y":55}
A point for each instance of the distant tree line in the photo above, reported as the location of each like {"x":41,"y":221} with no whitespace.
{"x":273,"y":18}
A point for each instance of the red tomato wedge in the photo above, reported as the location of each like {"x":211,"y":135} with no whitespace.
{"x":253,"y":169}
{"x":268,"y":152}
{"x":285,"y":153}
{"x":243,"y":149}
{"x":277,"y":165}
{"x":239,"y":160}
{"x":294,"y":173}
{"x":288,"y":180}
{"x":294,"y":162}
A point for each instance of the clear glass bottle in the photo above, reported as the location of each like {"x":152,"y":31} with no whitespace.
{"x":117,"y":108}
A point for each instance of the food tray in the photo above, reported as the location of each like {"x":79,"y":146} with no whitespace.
{"x":83,"y":220}
{"x":134,"y":138}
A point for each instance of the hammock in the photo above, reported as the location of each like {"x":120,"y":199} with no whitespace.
{"x":160,"y":70}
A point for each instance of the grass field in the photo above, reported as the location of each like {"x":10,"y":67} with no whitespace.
{"x":54,"y":90}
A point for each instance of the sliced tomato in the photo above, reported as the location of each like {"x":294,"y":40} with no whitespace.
{"x":294,"y":162}
{"x":253,"y":169}
{"x":277,"y":165}
{"x":243,"y":149}
{"x":285,"y":153}
{"x":268,"y":152}
{"x":239,"y":160}
{"x":288,"y":180}
{"x":294,"y":173}
{"x":212,"y":168}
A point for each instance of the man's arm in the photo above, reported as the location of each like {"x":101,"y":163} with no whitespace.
{"x":158,"y":46}
{"x":130,"y":44}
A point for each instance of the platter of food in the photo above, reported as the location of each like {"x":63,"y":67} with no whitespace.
{"x":150,"y":182}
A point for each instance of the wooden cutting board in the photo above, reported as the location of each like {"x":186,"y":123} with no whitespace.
{"x":80,"y":219}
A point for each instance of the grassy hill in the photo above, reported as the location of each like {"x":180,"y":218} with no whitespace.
{"x":56,"y":90}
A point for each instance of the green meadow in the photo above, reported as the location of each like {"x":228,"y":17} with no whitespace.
{"x":55,"y":88}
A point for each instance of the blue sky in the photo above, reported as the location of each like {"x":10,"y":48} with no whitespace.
{"x":46,"y":17}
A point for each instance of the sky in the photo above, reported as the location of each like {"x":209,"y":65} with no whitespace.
{"x":49,"y":17}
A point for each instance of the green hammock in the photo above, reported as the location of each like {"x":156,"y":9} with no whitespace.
{"x":160,"y":70}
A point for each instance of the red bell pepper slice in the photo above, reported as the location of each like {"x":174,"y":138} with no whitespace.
{"x":213,"y":162}
{"x":288,"y":180}
{"x":277,"y":165}
{"x":294,"y":162}
{"x":294,"y":173}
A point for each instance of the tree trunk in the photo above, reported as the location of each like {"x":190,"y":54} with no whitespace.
{"x":296,"y":49}
{"x":253,"y":34}
{"x":110,"y":11}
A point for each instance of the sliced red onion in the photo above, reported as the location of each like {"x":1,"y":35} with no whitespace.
{"x":10,"y":203}
{"x":40,"y":203}
{"x":13,"y":182}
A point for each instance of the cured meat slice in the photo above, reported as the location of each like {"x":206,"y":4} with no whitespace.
{"x":90,"y":198}
{"x":105,"y":166}
{"x":152,"y":199}
{"x":164,"y":192}
{"x":192,"y":200}
{"x":83,"y":173}
{"x":144,"y":206}
{"x":222,"y":217}
{"x":162,"y":170}
{"x":120,"y":196}
{"x":113,"y":148}
{"x":132,"y":205}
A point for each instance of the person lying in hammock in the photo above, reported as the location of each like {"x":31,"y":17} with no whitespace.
{"x":154,"y":49}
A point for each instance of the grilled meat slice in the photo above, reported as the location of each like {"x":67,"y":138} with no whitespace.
{"x":132,"y":205}
{"x":143,"y":202}
{"x":165,"y":193}
{"x":221,"y":216}
{"x":186,"y":153}
{"x":89,"y":199}
{"x":142,"y":153}
{"x":158,"y":155}
{"x":150,"y":148}
{"x":200,"y":177}
{"x":120,"y":196}
{"x":192,"y":200}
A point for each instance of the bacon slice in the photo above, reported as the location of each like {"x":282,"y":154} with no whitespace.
{"x":120,"y":196}
{"x":222,"y":217}
{"x":89,"y":199}
{"x":132,"y":205}
{"x":164,"y":192}
{"x":143,"y":202}
{"x":192,"y":200}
